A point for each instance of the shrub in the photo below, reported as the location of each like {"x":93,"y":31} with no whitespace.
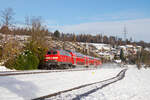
{"x":10,"y":49}
{"x":38,"y":50}
{"x":10,"y":63}
{"x":25,"y":61}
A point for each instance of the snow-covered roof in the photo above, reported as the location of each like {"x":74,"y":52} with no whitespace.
{"x":129,"y":46}
{"x":124,"y":47}
{"x":104,"y":53}
{"x":147,"y":49}
{"x":139,"y":46}
{"x":101,"y":46}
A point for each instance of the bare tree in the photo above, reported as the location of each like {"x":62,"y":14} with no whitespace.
{"x":36,"y":22}
{"x":38,"y":41}
{"x":7,"y":16}
{"x":11,"y":49}
{"x":37,"y":32}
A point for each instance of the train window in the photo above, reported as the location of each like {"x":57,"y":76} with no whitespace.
{"x":68,"y":54}
{"x":61,"y":52}
{"x":49,"y":52}
{"x":64,"y":53}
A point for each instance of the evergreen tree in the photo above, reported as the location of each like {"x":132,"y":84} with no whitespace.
{"x":57,"y":34}
{"x":25,"y":61}
{"x":122,"y":57}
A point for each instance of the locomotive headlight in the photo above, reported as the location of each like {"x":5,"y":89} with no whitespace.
{"x":55,"y":57}
{"x":47,"y":57}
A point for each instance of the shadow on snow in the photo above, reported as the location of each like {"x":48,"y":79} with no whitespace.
{"x":24,"y":89}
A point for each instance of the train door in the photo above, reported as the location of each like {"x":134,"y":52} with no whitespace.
{"x":74,"y":60}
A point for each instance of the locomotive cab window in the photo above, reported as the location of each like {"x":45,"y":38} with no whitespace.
{"x":54,"y":52}
{"x":49,"y":52}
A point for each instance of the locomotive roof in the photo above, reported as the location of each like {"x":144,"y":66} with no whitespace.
{"x":58,"y":50}
{"x":76,"y":53}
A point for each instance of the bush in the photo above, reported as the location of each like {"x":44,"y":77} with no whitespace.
{"x":10,"y":63}
{"x":25,"y":61}
{"x":38,"y":50}
{"x":10,"y":49}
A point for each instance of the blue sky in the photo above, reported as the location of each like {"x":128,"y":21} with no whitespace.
{"x":78,"y":15}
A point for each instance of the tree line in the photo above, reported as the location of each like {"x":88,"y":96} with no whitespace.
{"x":14,"y":54}
{"x":22,"y":56}
{"x":8,"y":27}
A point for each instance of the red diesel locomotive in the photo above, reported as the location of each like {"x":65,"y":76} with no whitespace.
{"x":61,"y":59}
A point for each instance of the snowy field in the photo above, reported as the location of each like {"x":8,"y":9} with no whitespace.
{"x":135,"y":85}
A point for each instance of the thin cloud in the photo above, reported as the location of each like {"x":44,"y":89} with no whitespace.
{"x":137,"y":29}
{"x":123,"y":15}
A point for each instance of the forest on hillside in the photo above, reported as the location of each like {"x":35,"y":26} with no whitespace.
{"x":14,"y":54}
{"x":8,"y":25}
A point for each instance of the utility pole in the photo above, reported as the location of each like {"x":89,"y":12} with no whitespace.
{"x":125,"y":33}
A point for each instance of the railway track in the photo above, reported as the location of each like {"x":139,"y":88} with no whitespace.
{"x":102,"y":84}
{"x":10,"y":73}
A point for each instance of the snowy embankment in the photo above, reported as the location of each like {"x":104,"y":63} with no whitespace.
{"x":134,"y":86}
{"x":77,"y":94}
{"x":33,"y":86}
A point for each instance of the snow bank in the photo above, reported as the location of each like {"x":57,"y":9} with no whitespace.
{"x":3,"y":68}
{"x":117,"y":61}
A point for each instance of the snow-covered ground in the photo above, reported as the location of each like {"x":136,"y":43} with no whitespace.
{"x":135,"y":85}
{"x":3,"y":68}
{"x":98,"y":45}
{"x":101,"y":45}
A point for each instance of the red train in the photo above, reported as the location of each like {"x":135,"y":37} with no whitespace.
{"x":61,"y":59}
